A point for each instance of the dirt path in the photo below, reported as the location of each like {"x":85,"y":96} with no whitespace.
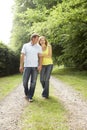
{"x":74,"y":103}
{"x":11,"y":108}
{"x":13,"y":105}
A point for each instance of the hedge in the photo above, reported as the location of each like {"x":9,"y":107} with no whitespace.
{"x":9,"y":61}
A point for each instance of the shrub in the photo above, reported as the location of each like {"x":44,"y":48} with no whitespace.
{"x":9,"y":61}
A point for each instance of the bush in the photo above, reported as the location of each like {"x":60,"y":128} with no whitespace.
{"x":9,"y":61}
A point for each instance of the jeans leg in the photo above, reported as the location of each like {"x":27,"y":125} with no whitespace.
{"x":42,"y":76}
{"x":26,"y":76}
{"x":34,"y":73}
{"x":47,"y":77}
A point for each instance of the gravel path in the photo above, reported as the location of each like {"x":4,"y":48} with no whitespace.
{"x":74,"y":103}
{"x":13,"y":105}
{"x":11,"y":108}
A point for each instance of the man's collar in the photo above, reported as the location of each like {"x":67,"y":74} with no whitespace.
{"x":33,"y":44}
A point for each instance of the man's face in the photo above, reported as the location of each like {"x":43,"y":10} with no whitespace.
{"x":35,"y":40}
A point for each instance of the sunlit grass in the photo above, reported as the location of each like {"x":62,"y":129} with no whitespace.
{"x":77,"y":79}
{"x":44,"y":114}
{"x":8,"y":83}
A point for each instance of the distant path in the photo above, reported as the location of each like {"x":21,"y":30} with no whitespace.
{"x":11,"y":108}
{"x":74,"y":103}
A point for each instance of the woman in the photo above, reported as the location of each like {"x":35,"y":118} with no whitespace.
{"x":47,"y":65}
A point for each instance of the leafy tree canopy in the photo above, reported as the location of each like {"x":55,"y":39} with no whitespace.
{"x":63,"y":22}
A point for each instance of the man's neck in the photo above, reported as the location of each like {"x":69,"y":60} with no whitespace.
{"x":33,"y":43}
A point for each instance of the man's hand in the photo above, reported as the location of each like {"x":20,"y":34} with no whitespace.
{"x":21,"y":69}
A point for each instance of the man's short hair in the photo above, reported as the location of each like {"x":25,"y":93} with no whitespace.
{"x":34,"y":35}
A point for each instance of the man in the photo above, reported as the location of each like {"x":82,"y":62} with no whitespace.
{"x":30,"y":64}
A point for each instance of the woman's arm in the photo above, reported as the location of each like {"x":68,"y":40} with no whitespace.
{"x":40,"y":62}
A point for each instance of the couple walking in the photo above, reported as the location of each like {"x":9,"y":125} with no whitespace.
{"x":36,"y":56}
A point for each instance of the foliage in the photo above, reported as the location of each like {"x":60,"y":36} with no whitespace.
{"x":63,"y":22}
{"x":9,"y":61}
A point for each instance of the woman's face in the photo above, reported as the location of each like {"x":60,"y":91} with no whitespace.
{"x":42,"y":41}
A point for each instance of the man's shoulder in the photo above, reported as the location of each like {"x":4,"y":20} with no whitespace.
{"x":39,"y":48}
{"x":26,"y":44}
{"x":38,"y":45}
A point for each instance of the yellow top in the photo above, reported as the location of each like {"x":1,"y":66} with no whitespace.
{"x":47,"y":60}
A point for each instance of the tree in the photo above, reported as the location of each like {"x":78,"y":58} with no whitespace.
{"x":63,"y":22}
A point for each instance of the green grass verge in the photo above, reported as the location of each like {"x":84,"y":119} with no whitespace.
{"x":8,"y":83}
{"x":44,"y":114}
{"x":77,"y":79}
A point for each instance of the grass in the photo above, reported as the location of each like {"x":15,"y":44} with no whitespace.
{"x":8,"y":83}
{"x":44,"y":114}
{"x":77,"y":79}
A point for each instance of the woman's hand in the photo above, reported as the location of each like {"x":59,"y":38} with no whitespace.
{"x":39,"y":68}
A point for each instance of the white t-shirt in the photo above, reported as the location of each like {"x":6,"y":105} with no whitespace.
{"x":31,"y":54}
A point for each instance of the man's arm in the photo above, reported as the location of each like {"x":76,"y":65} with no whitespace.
{"x":21,"y":62}
{"x":40,"y":62}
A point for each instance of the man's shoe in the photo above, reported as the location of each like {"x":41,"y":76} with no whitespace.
{"x":44,"y":97}
{"x":30,"y":100}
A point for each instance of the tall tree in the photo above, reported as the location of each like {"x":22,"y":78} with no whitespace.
{"x":63,"y":22}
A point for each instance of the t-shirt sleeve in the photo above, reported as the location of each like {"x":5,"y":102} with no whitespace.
{"x":23,"y":49}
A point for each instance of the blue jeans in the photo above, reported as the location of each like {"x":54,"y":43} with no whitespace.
{"x":29,"y":73}
{"x":44,"y":79}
